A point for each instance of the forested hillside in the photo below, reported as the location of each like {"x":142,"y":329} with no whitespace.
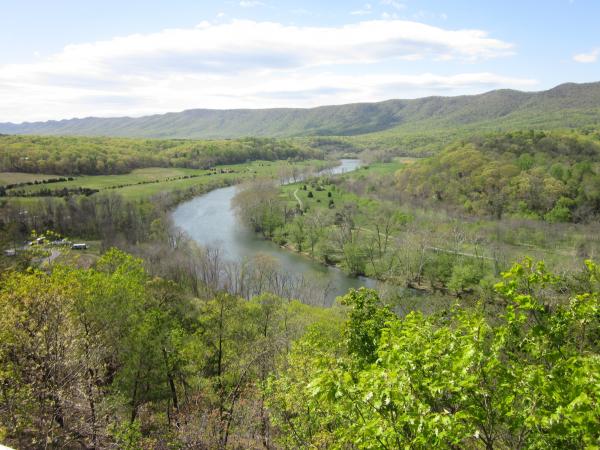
{"x":548,"y":175}
{"x":565,"y":106}
{"x":111,"y":356}
{"x":95,"y":156}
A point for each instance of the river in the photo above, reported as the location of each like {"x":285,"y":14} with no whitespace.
{"x":210,"y":220}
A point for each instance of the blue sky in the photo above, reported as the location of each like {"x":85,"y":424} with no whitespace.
{"x":63,"y":58}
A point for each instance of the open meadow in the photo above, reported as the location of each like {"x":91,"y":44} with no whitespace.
{"x":146,"y":182}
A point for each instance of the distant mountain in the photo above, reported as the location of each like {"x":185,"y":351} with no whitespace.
{"x":567,"y":105}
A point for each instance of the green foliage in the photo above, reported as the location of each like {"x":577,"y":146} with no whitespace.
{"x":528,"y":380}
{"x":297,"y":231}
{"x":258,"y":206}
{"x":302,"y":424}
{"x":439,"y":267}
{"x":113,"y":357}
{"x":128,"y":436}
{"x":465,"y":276}
{"x":532,"y":174}
{"x":366,"y":319}
{"x":561,"y":211}
{"x":354,"y":261}
{"x":356,"y":234}
{"x":106,"y":216}
{"x":102,"y":155}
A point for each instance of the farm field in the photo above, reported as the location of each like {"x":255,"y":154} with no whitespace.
{"x":20,"y":177}
{"x":143,"y":183}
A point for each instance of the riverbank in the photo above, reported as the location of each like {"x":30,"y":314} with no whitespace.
{"x":418,"y":287}
{"x":210,"y":221}
{"x":322,"y":221}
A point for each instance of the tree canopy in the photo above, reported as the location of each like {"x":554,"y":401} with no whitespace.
{"x":101,"y":156}
{"x":553,"y":176}
{"x":528,"y":379}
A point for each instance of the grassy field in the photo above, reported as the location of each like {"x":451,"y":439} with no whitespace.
{"x":101,"y":182}
{"x":19,"y":177}
{"x":146,"y":182}
{"x":321,"y":198}
{"x":382,"y":168}
{"x":319,"y":195}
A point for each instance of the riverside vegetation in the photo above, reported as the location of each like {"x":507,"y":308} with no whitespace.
{"x":452,"y":222}
{"x":152,"y":342}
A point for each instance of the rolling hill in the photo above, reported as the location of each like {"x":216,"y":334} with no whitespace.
{"x":567,"y":105}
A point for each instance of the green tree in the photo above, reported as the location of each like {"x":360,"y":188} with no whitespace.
{"x":297,"y":230}
{"x":529,"y":379}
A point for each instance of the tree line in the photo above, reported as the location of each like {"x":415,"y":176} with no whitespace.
{"x":46,"y":192}
{"x":103,"y":156}
{"x":36,"y":182}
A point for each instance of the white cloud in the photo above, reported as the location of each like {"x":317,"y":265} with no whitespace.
{"x":590,"y":57}
{"x":386,"y":15}
{"x":243,"y":64}
{"x":366,"y":88}
{"x":366,"y":9}
{"x":250,"y":3}
{"x":394,"y":4}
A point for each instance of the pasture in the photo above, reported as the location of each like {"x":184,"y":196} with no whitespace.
{"x":146,"y":182}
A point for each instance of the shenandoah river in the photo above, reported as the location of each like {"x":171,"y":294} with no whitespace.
{"x":211,"y":221}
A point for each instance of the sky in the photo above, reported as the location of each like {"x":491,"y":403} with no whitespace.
{"x":61,"y":59}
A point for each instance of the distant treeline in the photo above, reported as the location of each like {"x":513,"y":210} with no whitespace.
{"x":103,"y":156}
{"x":429,"y":142}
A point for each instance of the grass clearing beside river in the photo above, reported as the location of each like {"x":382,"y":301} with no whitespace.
{"x":144,"y":183}
{"x":20,"y":177}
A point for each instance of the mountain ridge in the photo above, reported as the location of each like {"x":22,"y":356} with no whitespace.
{"x":565,"y":105}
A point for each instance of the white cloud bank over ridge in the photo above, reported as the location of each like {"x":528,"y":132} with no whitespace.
{"x":242,"y":64}
{"x":590,"y":57}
